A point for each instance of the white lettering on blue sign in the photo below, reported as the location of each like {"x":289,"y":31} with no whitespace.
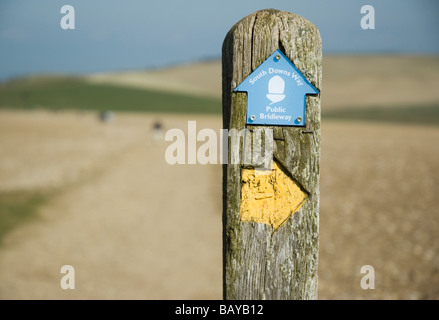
{"x":276,"y":93}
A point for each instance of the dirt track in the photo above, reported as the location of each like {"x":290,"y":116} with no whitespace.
{"x":135,"y":227}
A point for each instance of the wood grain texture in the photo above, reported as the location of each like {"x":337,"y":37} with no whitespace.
{"x":258,"y":262}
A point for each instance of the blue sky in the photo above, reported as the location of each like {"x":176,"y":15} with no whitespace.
{"x":114,"y":35}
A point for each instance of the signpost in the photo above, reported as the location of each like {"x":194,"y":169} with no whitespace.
{"x":276,"y":93}
{"x":272,"y":73}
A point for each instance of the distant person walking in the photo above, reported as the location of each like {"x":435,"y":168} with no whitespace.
{"x":106,"y":116}
{"x":157,"y":131}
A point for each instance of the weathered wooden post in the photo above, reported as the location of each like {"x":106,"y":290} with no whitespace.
{"x":272,"y":74}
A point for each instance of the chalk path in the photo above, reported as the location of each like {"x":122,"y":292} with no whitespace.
{"x":137,"y":228}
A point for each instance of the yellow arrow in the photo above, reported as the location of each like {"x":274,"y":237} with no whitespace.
{"x":269,"y":197}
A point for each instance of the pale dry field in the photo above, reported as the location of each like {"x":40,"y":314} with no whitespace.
{"x":135,"y":227}
{"x":348,"y":81}
{"x":201,"y":78}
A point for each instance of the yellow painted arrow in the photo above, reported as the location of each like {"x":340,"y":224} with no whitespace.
{"x":269,"y":198}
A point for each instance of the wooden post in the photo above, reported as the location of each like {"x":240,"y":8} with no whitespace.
{"x":265,"y":256}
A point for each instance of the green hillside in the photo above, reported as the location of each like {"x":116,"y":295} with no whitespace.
{"x":73,"y":93}
{"x":426,"y":114}
{"x":58,"y":93}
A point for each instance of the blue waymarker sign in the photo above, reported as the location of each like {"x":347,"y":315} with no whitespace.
{"x":276,"y":93}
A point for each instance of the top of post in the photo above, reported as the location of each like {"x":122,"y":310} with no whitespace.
{"x":255,"y":37}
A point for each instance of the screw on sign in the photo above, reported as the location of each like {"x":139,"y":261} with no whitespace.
{"x":271,"y":79}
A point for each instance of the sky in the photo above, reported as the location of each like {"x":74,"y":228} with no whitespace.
{"x":116,"y":35}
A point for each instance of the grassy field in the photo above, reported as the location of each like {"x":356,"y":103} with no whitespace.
{"x":61,"y":93}
{"x":16,"y":208}
{"x":412,"y":114}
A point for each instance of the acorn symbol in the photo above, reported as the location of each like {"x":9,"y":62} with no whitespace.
{"x":276,"y":88}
